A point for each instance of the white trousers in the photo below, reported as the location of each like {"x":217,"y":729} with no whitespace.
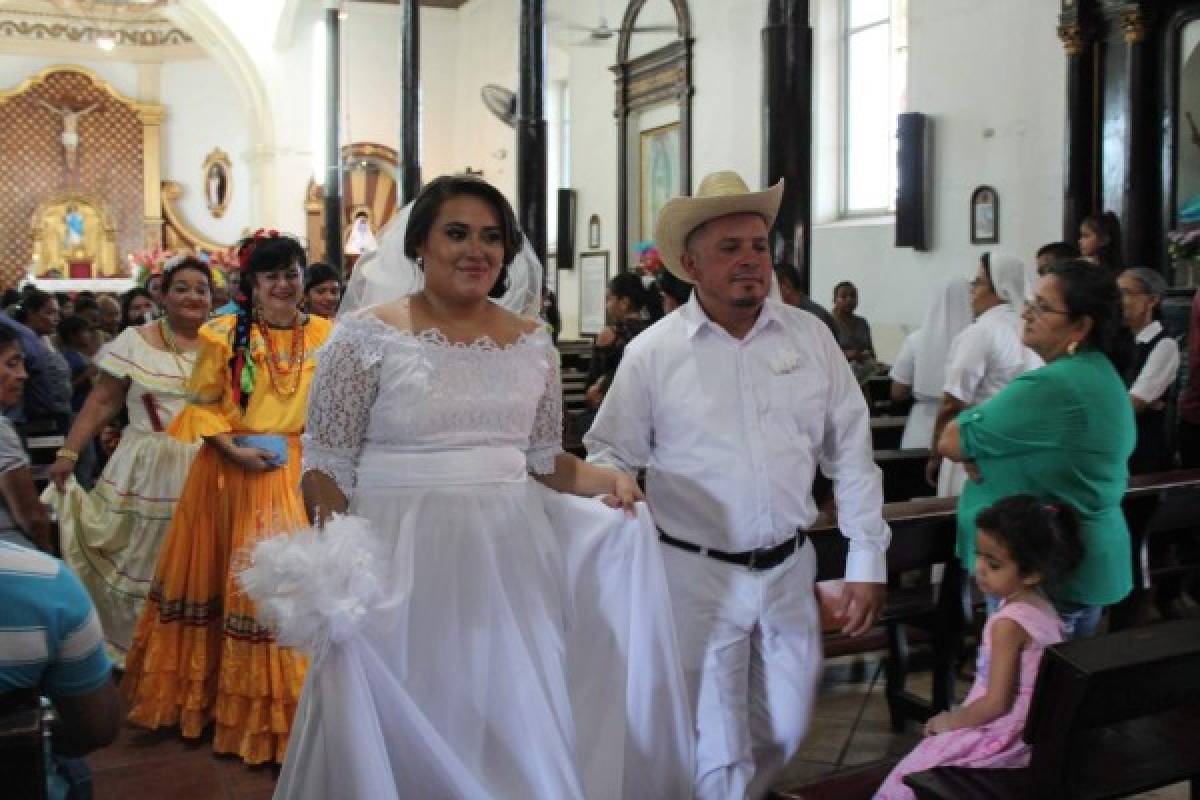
{"x":750,"y":643}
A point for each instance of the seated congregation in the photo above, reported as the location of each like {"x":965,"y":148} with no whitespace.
{"x":806,"y":477}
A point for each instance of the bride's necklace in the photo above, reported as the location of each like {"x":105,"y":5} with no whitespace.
{"x":278,"y":367}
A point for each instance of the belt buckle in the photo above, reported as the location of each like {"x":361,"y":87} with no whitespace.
{"x":753,"y":559}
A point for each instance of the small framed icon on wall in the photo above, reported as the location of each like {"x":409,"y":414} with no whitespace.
{"x":985,"y":216}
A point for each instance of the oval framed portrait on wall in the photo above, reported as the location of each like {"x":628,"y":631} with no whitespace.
{"x":218,"y":183}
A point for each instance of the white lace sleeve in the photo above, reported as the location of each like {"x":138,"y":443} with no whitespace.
{"x":545,"y":442}
{"x":340,"y":400}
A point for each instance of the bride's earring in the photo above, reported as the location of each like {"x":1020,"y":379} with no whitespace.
{"x":421,"y":263}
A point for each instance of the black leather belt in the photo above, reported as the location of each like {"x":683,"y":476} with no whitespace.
{"x":760,"y":559}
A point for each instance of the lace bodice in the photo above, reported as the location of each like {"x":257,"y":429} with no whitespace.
{"x":378,"y":386}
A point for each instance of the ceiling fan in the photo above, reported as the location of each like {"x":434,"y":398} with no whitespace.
{"x":501,"y":102}
{"x":597,"y":34}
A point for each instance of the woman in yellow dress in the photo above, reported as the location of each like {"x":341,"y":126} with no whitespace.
{"x":198,"y":653}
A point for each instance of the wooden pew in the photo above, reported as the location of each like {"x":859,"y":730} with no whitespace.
{"x":878,"y":390}
{"x":22,"y":737}
{"x":903,"y":474}
{"x":923,"y":534}
{"x":1162,"y":511}
{"x":1111,"y":716}
{"x":887,"y":431}
{"x":575,"y":358}
{"x":1140,"y":504}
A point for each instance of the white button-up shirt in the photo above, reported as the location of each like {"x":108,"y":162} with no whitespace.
{"x":1160,"y":368}
{"x":731,"y":432}
{"x":987,"y":356}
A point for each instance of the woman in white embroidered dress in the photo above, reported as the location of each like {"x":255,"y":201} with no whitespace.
{"x":111,"y":535}
{"x":508,"y":641}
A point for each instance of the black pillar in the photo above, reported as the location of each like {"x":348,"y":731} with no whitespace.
{"x":1081,"y":157}
{"x":1139,"y":202}
{"x":410,"y":123}
{"x":787,"y":41}
{"x":531,"y":127}
{"x":333,"y":151}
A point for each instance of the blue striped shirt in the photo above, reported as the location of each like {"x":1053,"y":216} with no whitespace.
{"x":50,"y":637}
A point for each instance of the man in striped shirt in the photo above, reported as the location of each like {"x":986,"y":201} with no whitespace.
{"x":51,"y":642}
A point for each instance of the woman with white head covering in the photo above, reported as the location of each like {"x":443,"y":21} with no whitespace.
{"x":985,"y":357}
{"x":928,"y":348}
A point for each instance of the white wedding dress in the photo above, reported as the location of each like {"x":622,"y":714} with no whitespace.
{"x":478,"y":636}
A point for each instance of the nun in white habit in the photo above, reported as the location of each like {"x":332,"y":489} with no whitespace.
{"x":947,"y":316}
{"x":985,"y":357}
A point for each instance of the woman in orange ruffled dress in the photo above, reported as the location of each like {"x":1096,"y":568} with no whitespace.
{"x":199,"y":654}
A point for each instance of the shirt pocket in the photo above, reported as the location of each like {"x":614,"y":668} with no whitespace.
{"x":795,"y":404}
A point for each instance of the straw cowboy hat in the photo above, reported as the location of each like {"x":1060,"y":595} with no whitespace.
{"x":720,"y":194}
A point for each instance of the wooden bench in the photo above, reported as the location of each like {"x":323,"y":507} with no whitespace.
{"x":22,"y":739}
{"x":1111,"y":716}
{"x":855,"y":783}
{"x":878,"y":390}
{"x":887,"y":431}
{"x":1162,"y":511}
{"x":923,"y":535}
{"x":903,"y":474}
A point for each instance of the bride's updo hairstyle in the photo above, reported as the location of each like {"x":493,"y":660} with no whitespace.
{"x":429,"y":203}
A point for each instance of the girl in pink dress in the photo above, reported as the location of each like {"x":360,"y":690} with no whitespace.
{"x":1021,"y":545}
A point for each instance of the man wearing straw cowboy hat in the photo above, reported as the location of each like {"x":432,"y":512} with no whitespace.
{"x":731,"y":403}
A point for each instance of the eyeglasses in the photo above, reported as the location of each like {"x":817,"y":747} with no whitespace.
{"x":1132,"y":293}
{"x":1039,"y":308}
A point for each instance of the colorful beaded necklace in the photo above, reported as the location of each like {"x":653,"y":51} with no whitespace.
{"x":276,"y":366}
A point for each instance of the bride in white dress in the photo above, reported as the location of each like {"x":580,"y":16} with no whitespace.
{"x":474,"y":633}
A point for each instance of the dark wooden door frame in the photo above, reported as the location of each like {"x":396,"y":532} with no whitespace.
{"x":658,"y":77}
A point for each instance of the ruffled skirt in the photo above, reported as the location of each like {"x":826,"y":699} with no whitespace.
{"x":497,"y":641}
{"x":199,"y":655}
{"x":111,"y":536}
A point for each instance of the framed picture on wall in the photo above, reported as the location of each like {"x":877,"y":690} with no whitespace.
{"x":985,"y":216}
{"x":659,"y":173}
{"x":218,"y":185}
{"x":593,"y":285}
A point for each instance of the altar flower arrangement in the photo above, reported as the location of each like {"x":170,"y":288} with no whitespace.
{"x":145,"y":263}
{"x":1184,"y":244}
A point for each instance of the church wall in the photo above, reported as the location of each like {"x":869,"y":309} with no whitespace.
{"x":992,"y":75}
{"x":204,"y":113}
{"x":998,"y":107}
{"x":15,"y":68}
{"x":288,"y":77}
{"x":726,"y":118}
{"x":486,"y":53}
{"x":371,"y":81}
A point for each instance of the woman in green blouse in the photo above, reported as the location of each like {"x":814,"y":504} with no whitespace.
{"x":1063,"y":432}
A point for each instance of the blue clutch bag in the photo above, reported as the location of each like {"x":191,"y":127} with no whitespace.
{"x":276,"y":445}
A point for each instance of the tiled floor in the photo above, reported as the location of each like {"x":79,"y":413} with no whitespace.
{"x":143,"y":765}
{"x":850,"y":727}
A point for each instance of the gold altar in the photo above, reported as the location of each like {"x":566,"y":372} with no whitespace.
{"x":72,"y":233}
